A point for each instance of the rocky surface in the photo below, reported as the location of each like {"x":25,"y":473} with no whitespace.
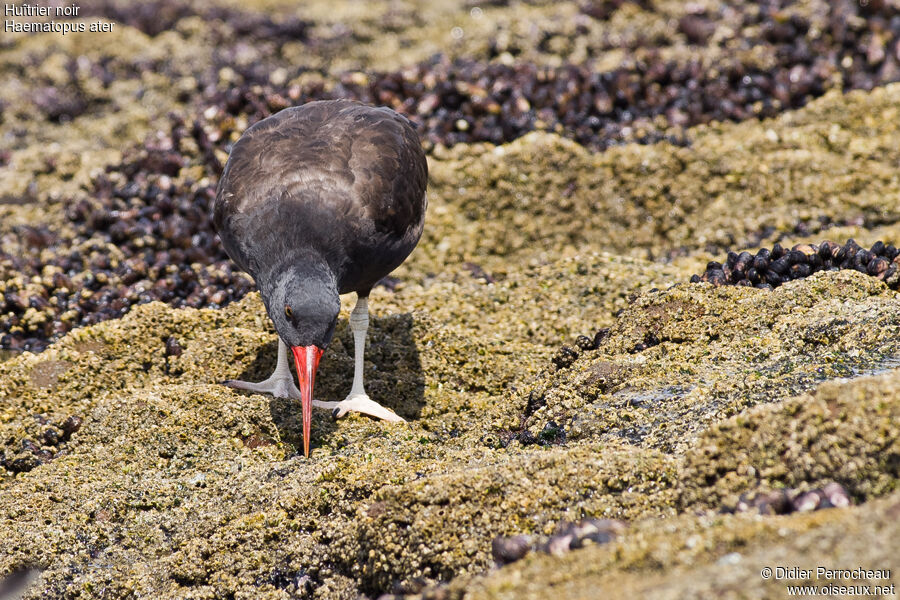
{"x":579,"y":411}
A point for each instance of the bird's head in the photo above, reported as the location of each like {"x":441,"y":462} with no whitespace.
{"x":303,"y":303}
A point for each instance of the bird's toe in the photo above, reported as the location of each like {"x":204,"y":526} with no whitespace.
{"x":237,"y":384}
{"x":278,"y":387}
{"x":365,"y":405}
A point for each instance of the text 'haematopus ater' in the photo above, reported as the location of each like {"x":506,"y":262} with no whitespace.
{"x":316,"y":201}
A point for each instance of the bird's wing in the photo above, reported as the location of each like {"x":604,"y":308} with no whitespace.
{"x":337,"y":161}
{"x":390,"y":171}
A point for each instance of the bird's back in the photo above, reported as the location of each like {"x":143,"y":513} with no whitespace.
{"x":338,"y":178}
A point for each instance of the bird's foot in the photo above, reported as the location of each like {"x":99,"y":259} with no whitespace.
{"x":360,"y":403}
{"x":280,"y":387}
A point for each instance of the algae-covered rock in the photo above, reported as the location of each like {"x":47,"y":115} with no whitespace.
{"x":169,"y":465}
{"x":677,"y":360}
{"x":845,"y":431}
{"x":830,"y":165}
{"x":442,"y":525}
{"x":181,"y":487}
{"x":720,"y":556}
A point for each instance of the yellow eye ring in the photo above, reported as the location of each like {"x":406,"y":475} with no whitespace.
{"x":288,"y":312}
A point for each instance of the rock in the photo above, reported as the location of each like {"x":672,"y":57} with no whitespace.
{"x":510,"y":549}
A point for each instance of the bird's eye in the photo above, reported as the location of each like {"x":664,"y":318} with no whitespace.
{"x":288,"y":311}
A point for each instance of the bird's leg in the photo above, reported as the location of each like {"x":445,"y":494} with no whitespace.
{"x":359,"y":325}
{"x":358,"y":400}
{"x":279,"y":384}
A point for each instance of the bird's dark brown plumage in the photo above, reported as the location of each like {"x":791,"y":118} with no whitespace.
{"x":337,"y":179}
{"x":315,"y":201}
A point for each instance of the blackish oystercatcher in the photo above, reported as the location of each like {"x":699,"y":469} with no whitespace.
{"x":315,"y":201}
